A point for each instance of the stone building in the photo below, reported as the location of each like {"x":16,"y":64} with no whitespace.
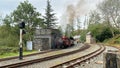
{"x":44,"y":39}
{"x":89,"y":38}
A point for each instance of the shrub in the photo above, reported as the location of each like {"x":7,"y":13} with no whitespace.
{"x":8,"y":50}
{"x":100,"y":31}
{"x":83,"y":36}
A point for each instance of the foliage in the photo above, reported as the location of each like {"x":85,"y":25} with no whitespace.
{"x":8,"y":40}
{"x":114,"y":40}
{"x":100,"y":31}
{"x":110,"y":11}
{"x":83,"y":35}
{"x":60,"y":29}
{"x":12,"y":54}
{"x":25,"y":11}
{"x":67,"y":30}
{"x":49,"y":16}
{"x":1,"y":17}
{"x":78,"y":24}
{"x":104,"y":22}
{"x":94,"y":17}
{"x":9,"y":30}
{"x":6,"y":49}
{"x":9,"y":35}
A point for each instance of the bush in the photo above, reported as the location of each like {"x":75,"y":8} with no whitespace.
{"x":100,"y":31}
{"x":4,"y":50}
{"x":8,"y":50}
{"x":15,"y":50}
{"x":83,"y":36}
{"x":9,"y":37}
{"x":105,"y":34}
{"x":115,"y":40}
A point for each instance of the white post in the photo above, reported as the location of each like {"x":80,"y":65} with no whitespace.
{"x":21,"y":47}
{"x":20,"y":37}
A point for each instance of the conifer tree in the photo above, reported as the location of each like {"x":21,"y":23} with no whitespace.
{"x":49,"y":16}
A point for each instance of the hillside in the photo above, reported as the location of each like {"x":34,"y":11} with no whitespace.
{"x":115,"y":41}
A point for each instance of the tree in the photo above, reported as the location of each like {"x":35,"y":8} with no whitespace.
{"x":94,"y":17}
{"x":83,"y":35}
{"x":100,"y":31}
{"x":25,"y":11}
{"x":8,"y":33}
{"x":9,"y":30}
{"x":67,"y":30}
{"x":110,"y":10}
{"x":78,"y":31}
{"x":60,"y":29}
{"x":8,"y":21}
{"x":0,"y":17}
{"x":78,"y":24}
{"x":49,"y":16}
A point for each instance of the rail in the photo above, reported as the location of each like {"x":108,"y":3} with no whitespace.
{"x":14,"y":65}
{"x":72,"y":63}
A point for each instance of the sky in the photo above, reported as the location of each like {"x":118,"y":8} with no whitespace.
{"x":82,"y":7}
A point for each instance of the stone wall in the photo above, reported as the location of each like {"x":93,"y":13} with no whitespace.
{"x":111,"y":60}
{"x":44,"y":39}
{"x":89,"y":38}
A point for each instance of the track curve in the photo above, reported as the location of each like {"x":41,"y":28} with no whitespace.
{"x":14,"y":65}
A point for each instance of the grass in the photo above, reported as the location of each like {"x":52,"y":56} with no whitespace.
{"x":6,"y":55}
{"x":109,"y":44}
{"x":115,"y":41}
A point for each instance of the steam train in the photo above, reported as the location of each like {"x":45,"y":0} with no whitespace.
{"x":64,"y":42}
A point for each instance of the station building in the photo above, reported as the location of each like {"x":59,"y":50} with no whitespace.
{"x":44,"y":39}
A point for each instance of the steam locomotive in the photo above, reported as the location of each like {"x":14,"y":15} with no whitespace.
{"x":64,"y":42}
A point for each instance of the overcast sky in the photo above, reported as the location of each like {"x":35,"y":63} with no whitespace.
{"x":59,"y":6}
{"x":7,"y":6}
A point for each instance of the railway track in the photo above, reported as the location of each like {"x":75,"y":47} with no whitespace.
{"x":28,"y":62}
{"x":76,"y":62}
{"x":38,"y":53}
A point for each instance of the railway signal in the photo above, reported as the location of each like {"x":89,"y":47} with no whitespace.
{"x":21,"y":26}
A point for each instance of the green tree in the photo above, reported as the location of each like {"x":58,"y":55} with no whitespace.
{"x":94,"y":17}
{"x":78,"y":23}
{"x":8,"y":21}
{"x":110,"y":11}
{"x":60,"y":29}
{"x":8,"y":33}
{"x":78,"y":31}
{"x":0,"y":17}
{"x":49,"y":16}
{"x":25,"y":11}
{"x":83,"y":35}
{"x":67,"y":30}
{"x":100,"y":31}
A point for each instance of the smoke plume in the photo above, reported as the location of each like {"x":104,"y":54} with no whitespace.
{"x":78,"y":10}
{"x":71,"y":13}
{"x":74,"y":11}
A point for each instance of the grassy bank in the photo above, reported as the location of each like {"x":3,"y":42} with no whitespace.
{"x":6,"y":55}
{"x":115,"y":41}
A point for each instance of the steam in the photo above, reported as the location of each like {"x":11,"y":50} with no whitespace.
{"x":71,"y":13}
{"x":78,"y":10}
{"x":74,"y":11}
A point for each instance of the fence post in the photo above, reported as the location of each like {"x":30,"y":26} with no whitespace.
{"x":118,"y":60}
{"x":111,"y":60}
